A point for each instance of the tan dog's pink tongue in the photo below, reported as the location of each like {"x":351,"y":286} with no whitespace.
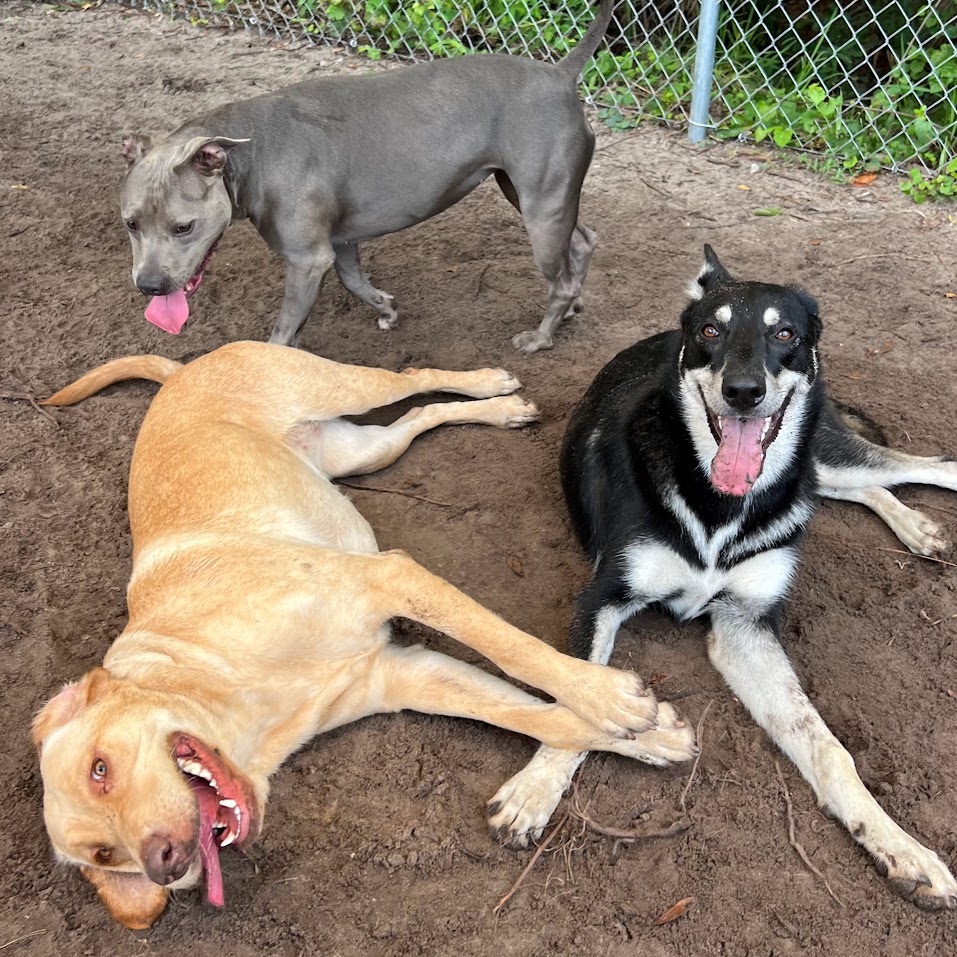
{"x":169,"y":312}
{"x":208,"y":802}
{"x":737,"y":464}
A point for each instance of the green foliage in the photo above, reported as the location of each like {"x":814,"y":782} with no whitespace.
{"x":921,"y":186}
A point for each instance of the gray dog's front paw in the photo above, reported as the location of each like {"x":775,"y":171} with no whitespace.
{"x":532,"y":341}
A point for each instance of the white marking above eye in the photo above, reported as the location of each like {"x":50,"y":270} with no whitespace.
{"x":771,"y":316}
{"x":723,"y":314}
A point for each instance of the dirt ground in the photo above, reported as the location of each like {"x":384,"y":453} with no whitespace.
{"x":375,"y":841}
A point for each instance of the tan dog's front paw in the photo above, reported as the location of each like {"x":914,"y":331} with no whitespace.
{"x":492,"y":382}
{"x":616,"y":702}
{"x":670,"y":742}
{"x":517,"y":412}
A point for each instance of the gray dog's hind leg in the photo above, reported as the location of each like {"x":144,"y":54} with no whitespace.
{"x":584,"y":243}
{"x":304,"y":276}
{"x":350,"y":273}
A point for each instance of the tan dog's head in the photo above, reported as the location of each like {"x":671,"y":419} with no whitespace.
{"x":140,"y":804}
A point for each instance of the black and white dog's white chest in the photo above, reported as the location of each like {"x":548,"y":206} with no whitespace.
{"x":750,"y":569}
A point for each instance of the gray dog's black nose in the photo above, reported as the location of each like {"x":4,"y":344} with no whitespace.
{"x":165,"y":860}
{"x":151,"y":286}
{"x":744,"y":392}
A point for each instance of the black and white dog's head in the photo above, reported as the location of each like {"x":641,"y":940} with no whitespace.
{"x":747,"y":366}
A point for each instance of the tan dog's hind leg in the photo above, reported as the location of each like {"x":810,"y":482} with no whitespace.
{"x":341,"y":448}
{"x":427,"y":681}
{"x":615,"y":702}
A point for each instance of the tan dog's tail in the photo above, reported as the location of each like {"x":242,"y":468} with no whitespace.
{"x":155,"y":368}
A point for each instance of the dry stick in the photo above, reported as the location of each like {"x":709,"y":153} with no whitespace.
{"x":26,"y":397}
{"x":936,"y":508}
{"x":18,"y":940}
{"x":538,"y":853}
{"x":895,"y":551}
{"x":855,"y":259}
{"x":622,"y":836}
{"x":397,"y":491}
{"x":694,"y":767}
{"x":795,"y":843}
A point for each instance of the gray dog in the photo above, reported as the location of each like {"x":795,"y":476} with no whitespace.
{"x":328,"y":163}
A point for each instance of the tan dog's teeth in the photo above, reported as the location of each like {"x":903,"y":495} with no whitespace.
{"x":191,"y":767}
{"x":227,"y":802}
{"x":227,"y":840}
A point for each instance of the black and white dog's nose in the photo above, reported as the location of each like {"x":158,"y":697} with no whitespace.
{"x":744,"y":392}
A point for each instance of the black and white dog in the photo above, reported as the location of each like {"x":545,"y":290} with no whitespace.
{"x":692,"y":468}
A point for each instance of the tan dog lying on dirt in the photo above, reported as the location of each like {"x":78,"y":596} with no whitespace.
{"x":258,"y":611}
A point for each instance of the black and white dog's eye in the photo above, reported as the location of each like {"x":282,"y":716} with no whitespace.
{"x":785,"y":335}
{"x":710,"y":332}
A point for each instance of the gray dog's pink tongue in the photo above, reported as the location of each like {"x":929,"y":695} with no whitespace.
{"x":169,"y":312}
{"x":737,"y":464}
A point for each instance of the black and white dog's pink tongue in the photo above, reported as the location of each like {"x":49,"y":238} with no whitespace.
{"x":737,"y":464}
{"x":169,"y":312}
{"x":208,"y":801}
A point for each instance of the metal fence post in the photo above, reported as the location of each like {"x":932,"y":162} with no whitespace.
{"x":703,"y":70}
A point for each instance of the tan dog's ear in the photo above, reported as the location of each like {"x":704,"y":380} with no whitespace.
{"x":69,"y":703}
{"x":133,"y":899}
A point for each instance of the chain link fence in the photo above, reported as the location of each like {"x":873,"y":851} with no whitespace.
{"x":862,"y":82}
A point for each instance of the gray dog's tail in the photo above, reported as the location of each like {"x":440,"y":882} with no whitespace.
{"x":156,"y":368}
{"x":588,"y":44}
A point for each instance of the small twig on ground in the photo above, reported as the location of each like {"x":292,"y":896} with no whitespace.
{"x":618,"y":140}
{"x":855,"y":259}
{"x":936,"y":508}
{"x":893,"y":551}
{"x":622,"y":836}
{"x":481,"y":278}
{"x":532,"y":861}
{"x":26,"y":397}
{"x":923,"y":615}
{"x":795,"y":843}
{"x":694,"y":767}
{"x":19,"y":940}
{"x":397,"y":491}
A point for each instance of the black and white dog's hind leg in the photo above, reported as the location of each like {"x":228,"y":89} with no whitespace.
{"x":748,"y":654}
{"x":523,"y":805}
{"x":851,"y":468}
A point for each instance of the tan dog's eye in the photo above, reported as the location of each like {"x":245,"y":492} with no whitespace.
{"x":103,"y":855}
{"x":99,"y":769}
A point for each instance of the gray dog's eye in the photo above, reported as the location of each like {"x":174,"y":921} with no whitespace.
{"x":131,"y":225}
{"x":183,"y":228}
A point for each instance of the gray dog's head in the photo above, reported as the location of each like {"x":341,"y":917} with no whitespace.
{"x":175,"y":206}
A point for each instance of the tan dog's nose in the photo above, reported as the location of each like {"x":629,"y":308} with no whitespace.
{"x":166,"y":860}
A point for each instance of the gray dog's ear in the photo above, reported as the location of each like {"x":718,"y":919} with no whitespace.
{"x":205,"y":154}
{"x":712,"y":272}
{"x":135,"y":147}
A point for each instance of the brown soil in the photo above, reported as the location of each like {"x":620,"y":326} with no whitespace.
{"x":375,"y":842}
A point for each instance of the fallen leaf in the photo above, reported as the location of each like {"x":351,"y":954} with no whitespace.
{"x":677,"y":910}
{"x":747,"y":189}
{"x":885,"y":346}
{"x":854,"y":375}
{"x":865,"y":179}
{"x":951,"y":694}
{"x":950,"y":295}
{"x":657,"y":679}
{"x":768,"y":211}
{"x":815,"y":242}
{"x":515,"y":565}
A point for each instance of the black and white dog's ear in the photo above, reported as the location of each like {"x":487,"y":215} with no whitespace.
{"x":809,"y":303}
{"x":712,"y":272}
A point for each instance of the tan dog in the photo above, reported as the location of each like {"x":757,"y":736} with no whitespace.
{"x":258,"y":611}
